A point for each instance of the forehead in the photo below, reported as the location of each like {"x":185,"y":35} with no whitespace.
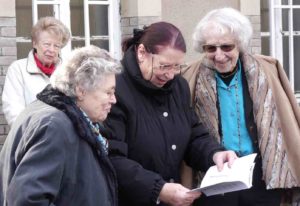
{"x":217,"y":34}
{"x":226,"y":38}
{"x":46,"y":36}
{"x":107,"y":82}
{"x":170,"y":56}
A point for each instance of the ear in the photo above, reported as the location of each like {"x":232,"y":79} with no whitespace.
{"x":141,"y":53}
{"x":34,"y":44}
{"x":80,"y":93}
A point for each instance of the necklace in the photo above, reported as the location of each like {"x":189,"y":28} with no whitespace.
{"x":238,"y":117}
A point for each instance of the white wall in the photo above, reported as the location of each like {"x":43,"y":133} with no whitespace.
{"x":186,"y":14}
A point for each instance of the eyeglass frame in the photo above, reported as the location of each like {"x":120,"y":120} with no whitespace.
{"x":176,"y":67}
{"x":223,"y":47}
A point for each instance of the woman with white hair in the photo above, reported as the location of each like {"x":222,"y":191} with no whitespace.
{"x":56,"y":152}
{"x":246,"y":102}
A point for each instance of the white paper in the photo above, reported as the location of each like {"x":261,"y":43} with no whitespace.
{"x":238,"y":177}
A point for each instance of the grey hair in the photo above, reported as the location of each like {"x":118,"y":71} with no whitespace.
{"x":86,"y":67}
{"x":223,"y":20}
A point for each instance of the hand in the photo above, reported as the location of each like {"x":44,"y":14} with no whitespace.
{"x":220,"y":158}
{"x":177,"y":195}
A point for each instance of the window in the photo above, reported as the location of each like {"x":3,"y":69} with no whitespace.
{"x":280,"y":21}
{"x":94,"y":22}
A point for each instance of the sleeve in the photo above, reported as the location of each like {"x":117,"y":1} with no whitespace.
{"x":39,"y":167}
{"x":13,"y":100}
{"x":202,"y":145}
{"x":136,"y":184}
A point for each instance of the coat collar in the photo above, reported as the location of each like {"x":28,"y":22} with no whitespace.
{"x":31,"y":66}
{"x":132,"y":69}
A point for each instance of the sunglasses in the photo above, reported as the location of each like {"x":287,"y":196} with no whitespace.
{"x":213,"y":48}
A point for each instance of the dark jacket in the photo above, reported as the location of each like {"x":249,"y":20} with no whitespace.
{"x":51,"y":157}
{"x":153,"y":130}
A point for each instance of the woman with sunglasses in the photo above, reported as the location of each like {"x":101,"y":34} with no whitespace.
{"x":153,"y":127}
{"x":246,"y":102}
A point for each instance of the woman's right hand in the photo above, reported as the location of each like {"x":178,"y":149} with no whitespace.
{"x":177,"y":195}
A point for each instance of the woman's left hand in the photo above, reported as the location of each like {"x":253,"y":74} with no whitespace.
{"x":220,"y":158}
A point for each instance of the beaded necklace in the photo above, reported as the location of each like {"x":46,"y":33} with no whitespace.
{"x":238,"y":117}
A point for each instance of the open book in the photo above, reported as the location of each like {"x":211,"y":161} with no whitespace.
{"x":238,"y":177}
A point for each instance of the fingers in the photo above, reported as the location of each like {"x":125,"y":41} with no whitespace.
{"x":177,"y":195}
{"x":231,"y":158}
{"x":221,"y":157}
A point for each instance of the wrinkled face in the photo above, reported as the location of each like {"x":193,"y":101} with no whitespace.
{"x":160,"y":68}
{"x":97,"y":103}
{"x":48,"y":47}
{"x":221,"y":52}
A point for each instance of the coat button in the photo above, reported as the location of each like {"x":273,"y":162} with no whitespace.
{"x":165,"y":114}
{"x":173,"y":147}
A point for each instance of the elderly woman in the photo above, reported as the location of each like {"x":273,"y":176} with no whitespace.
{"x":153,"y":126}
{"x":26,"y":77}
{"x":56,"y":151}
{"x":246,"y":102}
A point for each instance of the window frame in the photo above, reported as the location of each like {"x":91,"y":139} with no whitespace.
{"x":277,"y":33}
{"x":62,"y":12}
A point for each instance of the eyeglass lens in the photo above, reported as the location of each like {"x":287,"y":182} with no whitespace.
{"x":213,"y":48}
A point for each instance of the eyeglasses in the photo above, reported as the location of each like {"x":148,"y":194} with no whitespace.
{"x":48,"y":45}
{"x":168,"y":67}
{"x":209,"y":48}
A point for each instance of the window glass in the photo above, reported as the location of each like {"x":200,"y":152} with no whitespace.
{"x":23,"y":27}
{"x":296,"y":2}
{"x":98,"y":15}
{"x":296,"y":19}
{"x":297,"y":63}
{"x":98,"y":20}
{"x":286,"y":53}
{"x":265,"y":45}
{"x":264,"y":16}
{"x":77,"y":18}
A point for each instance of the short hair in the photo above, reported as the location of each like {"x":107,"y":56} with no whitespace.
{"x":86,"y":67}
{"x":224,"y":19}
{"x":53,"y":26}
{"x":155,"y":37}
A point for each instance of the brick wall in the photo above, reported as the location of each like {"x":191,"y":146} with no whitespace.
{"x":8,"y":54}
{"x":129,"y":23}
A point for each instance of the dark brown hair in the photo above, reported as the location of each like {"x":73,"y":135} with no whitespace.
{"x":155,"y":37}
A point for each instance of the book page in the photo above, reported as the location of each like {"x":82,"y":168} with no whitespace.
{"x":238,"y":177}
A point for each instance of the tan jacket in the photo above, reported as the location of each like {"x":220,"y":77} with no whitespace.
{"x":276,"y":114}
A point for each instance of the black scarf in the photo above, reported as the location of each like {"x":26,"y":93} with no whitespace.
{"x":67,"y":105}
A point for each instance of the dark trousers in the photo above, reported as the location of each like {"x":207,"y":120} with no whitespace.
{"x":257,"y":195}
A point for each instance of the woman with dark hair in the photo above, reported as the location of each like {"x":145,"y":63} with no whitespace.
{"x":153,"y":127}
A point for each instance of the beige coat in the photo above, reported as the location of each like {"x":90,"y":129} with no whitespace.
{"x":276,"y":114}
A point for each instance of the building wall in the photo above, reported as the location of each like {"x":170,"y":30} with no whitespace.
{"x":137,"y":13}
{"x":8,"y":51}
{"x":186,"y":14}
{"x":134,"y":14}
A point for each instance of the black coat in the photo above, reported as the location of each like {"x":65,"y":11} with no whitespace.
{"x":51,"y":157}
{"x":153,"y":130}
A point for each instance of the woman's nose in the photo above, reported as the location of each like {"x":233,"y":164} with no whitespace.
{"x":113,"y":99}
{"x":219,"y":54}
{"x":170,"y":74}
